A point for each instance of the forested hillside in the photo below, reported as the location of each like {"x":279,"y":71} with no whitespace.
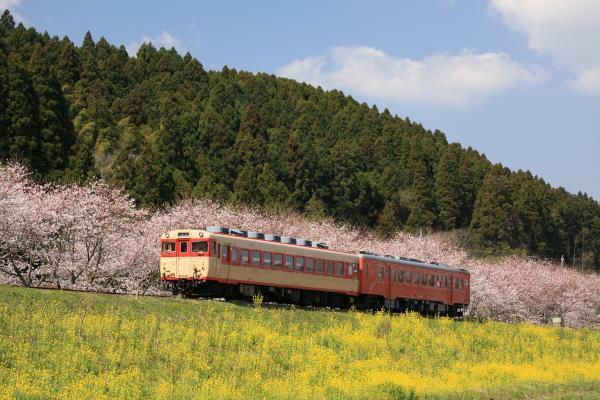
{"x":164,"y":128}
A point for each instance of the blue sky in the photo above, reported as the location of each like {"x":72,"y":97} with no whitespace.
{"x":519,"y":80}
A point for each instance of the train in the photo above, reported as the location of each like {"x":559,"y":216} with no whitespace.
{"x":235,"y":263}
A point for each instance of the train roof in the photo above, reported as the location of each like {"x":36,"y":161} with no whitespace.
{"x":410,"y":261}
{"x":238,"y":234}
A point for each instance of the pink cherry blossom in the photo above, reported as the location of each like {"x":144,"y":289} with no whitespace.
{"x":92,"y":237}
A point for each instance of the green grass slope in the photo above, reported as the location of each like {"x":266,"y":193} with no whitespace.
{"x":65,"y":345}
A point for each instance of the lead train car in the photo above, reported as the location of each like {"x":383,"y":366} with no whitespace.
{"x":201,"y":263}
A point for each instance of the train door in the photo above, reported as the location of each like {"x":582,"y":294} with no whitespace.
{"x":225,"y":260}
{"x":452,"y":288}
{"x":364,"y":274}
{"x":183,"y":258}
{"x":387,"y":281}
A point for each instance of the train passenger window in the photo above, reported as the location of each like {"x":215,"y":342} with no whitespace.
{"x":199,"y":247}
{"x":466,"y":283}
{"x":339,"y":268}
{"x":310,"y":265}
{"x":224,"y":250}
{"x":354,"y":267}
{"x":256,"y":258}
{"x":299,"y":263}
{"x":213,"y":248}
{"x":234,"y":255}
{"x":455,"y":283}
{"x":380,"y":275}
{"x":244,"y":256}
{"x":416,"y":278}
{"x":393,"y":275}
{"x":267,"y":260}
{"x":462,"y":284}
{"x":289,"y":262}
{"x":329,"y":267}
{"x":183,"y":247}
{"x":438,"y":281}
{"x":424,"y":279}
{"x":432,"y":280}
{"x":278,"y":260}
{"x":320,"y":266}
{"x":401,"y":276}
{"x":446,"y":281}
{"x":408,"y":277}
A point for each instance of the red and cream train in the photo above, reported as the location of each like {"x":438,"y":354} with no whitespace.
{"x":234,"y":263}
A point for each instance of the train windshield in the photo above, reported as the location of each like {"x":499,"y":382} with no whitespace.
{"x":168,"y":247}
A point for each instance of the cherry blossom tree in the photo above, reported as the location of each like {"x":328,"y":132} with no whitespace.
{"x":92,"y":237}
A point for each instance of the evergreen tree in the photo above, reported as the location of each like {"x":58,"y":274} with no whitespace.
{"x":69,"y":64}
{"x":493,"y":221}
{"x":21,"y":113}
{"x":422,"y":206}
{"x":448,"y":191}
{"x":52,"y":115}
{"x":7,"y":24}
{"x":4,"y":120}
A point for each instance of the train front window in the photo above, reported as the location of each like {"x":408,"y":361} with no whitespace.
{"x":168,"y":247}
{"x":183,"y":247}
{"x":199,"y":247}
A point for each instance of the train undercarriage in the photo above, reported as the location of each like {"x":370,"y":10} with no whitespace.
{"x":309,"y":298}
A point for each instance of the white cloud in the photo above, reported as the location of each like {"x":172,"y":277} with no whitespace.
{"x":588,"y":81}
{"x":12,"y":6}
{"x":568,"y":30}
{"x":458,"y":79}
{"x":165,"y":39}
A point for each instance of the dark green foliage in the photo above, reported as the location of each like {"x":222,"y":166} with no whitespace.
{"x":493,"y":220}
{"x":162,"y":127}
{"x":448,"y":189}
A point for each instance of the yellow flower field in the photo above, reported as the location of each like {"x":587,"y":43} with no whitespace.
{"x":69,"y":345}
